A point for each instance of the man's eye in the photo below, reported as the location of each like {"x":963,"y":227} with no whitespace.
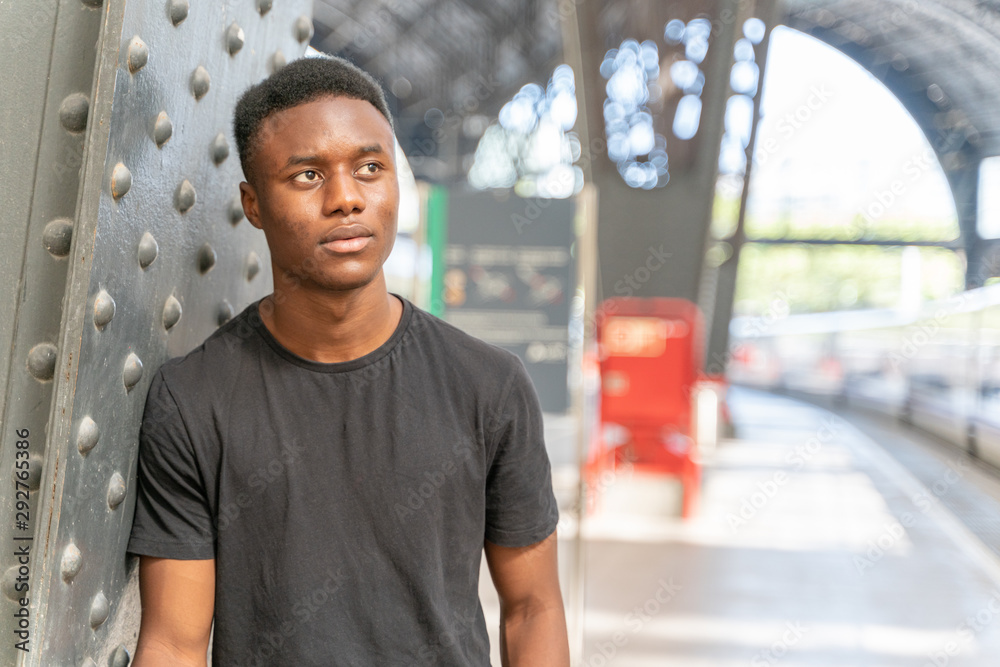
{"x":307,"y":176}
{"x":370,"y":168}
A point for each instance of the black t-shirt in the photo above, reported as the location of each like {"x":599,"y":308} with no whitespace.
{"x":345,"y":504}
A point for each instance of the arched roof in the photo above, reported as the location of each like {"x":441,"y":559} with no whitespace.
{"x":941,"y":58}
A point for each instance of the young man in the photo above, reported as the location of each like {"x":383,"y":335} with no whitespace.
{"x":323,"y":473}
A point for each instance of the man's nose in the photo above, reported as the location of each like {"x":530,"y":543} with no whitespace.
{"x":343,"y":195}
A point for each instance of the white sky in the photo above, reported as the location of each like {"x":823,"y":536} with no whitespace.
{"x":846,"y":153}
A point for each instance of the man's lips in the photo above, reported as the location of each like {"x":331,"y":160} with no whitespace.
{"x":347,"y":238}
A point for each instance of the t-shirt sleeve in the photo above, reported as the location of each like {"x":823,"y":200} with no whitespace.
{"x":521,"y":508}
{"x":172,"y":514}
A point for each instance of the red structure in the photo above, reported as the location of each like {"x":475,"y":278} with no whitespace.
{"x":650,"y":353}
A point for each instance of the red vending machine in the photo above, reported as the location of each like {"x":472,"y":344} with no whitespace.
{"x":651,"y":355}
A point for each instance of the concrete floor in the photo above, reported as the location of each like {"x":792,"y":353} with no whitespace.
{"x":813,"y":546}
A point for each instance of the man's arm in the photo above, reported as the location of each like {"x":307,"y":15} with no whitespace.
{"x":178,"y":602}
{"x":532,"y":618}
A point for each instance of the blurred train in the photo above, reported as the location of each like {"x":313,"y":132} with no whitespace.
{"x":936,"y":367}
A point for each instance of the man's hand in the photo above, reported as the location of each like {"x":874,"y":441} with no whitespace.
{"x":532,"y":618}
{"x":178,"y":602}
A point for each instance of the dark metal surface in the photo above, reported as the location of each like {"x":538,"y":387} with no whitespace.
{"x":46,"y":100}
{"x":157,"y":190}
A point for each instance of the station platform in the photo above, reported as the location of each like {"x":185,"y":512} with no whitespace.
{"x":823,"y":537}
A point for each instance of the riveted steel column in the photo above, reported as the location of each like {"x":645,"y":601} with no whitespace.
{"x":719,"y":283}
{"x":48,"y":48}
{"x":160,"y":257}
{"x":666,"y":227}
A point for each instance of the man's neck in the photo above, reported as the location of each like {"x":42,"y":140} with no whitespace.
{"x":331,"y":327}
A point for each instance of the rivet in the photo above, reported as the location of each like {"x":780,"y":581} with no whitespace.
{"x":120,"y":658}
{"x":71,"y":562}
{"x":73,"y":112}
{"x":235,"y":210}
{"x":163,"y":129}
{"x":234,"y":38}
{"x":278,"y":61}
{"x":253,"y":265}
{"x":132,"y":372}
{"x":138,"y":54}
{"x":224,"y":313}
{"x":220,"y":148}
{"x":9,"y":583}
{"x":34,"y":473}
{"x":87,"y":435}
{"x":200,"y":81}
{"x":184,"y":198}
{"x":264,"y":6}
{"x":936,"y":95}
{"x":99,"y":610}
{"x":104,"y":309}
{"x":148,"y":250}
{"x":121,"y":181}
{"x":303,"y":28}
{"x":206,"y":258}
{"x":171,"y":312}
{"x":178,"y":11}
{"x":42,"y":361}
{"x":57,"y":236}
{"x":116,"y":491}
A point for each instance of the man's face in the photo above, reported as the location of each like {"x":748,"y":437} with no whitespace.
{"x":325,"y":193}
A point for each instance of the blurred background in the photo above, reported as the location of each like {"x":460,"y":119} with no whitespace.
{"x":780,"y":346}
{"x":747,"y":249}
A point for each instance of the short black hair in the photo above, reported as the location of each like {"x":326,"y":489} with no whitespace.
{"x":301,"y":81}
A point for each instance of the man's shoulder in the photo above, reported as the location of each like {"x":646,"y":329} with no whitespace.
{"x":215,"y":361}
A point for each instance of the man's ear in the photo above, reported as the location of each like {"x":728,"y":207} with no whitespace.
{"x":248,"y":197}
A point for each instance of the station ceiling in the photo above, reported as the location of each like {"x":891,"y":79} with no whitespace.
{"x":462,"y":57}
{"x":941,"y":58}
